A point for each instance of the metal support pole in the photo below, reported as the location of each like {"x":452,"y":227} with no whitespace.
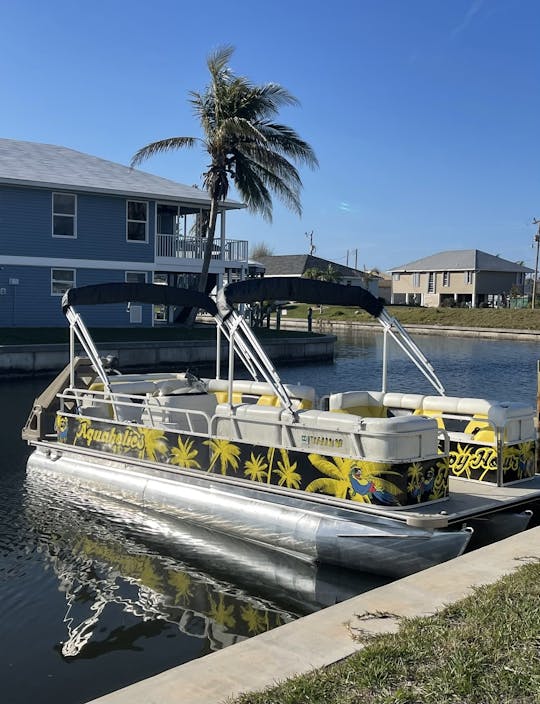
{"x":384,"y":360}
{"x":537,"y":240}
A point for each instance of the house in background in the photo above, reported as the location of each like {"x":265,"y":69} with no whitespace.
{"x":298,"y":264}
{"x":457,"y":277}
{"x":71,"y":219}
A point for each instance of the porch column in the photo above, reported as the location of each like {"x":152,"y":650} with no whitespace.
{"x":223,"y":234}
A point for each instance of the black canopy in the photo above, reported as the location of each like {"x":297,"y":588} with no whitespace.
{"x":141,"y":293}
{"x":284,"y":288}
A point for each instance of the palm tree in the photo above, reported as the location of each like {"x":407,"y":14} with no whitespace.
{"x":245,"y":145}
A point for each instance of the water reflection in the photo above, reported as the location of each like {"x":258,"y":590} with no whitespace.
{"x":211,"y":587}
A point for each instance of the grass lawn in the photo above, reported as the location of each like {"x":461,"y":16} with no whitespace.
{"x":508,"y":318}
{"x":45,"y":336}
{"x":482,"y":650}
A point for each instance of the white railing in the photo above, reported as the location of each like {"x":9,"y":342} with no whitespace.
{"x":193,"y":248}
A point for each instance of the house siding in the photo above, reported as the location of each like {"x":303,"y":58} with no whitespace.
{"x":26,"y":227}
{"x":21,"y":306}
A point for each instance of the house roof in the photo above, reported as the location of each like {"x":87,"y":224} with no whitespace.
{"x":298,"y":264}
{"x":50,"y":166}
{"x":461,"y":260}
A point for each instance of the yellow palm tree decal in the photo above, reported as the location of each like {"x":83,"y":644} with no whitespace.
{"x":154,"y":443}
{"x":415,"y":476}
{"x":221,"y":614}
{"x":181,"y":582}
{"x":286,"y":473}
{"x":225,"y":452}
{"x":256,"y":468}
{"x":338,"y":470}
{"x":184,"y":455}
{"x":256,"y":621}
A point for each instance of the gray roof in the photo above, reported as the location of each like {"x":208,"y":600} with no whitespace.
{"x":49,"y":166}
{"x":461,"y":260}
{"x":298,"y":264}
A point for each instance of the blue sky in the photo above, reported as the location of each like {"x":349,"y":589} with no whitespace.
{"x":424,"y":114}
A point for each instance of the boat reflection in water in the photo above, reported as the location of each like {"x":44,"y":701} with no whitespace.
{"x":212,"y":586}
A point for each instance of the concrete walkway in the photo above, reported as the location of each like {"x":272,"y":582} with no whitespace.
{"x":327,"y":636}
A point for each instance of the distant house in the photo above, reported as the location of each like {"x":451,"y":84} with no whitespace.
{"x":71,"y":219}
{"x":298,"y":264}
{"x":457,"y":277}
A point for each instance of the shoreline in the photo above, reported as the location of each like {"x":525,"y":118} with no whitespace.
{"x":443,"y":330}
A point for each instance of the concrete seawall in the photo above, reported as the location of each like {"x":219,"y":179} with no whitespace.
{"x":331,"y":326}
{"x":24,"y":360}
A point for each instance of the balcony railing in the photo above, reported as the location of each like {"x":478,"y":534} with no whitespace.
{"x":193,"y":248}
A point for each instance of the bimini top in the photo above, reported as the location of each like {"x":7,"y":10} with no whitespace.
{"x":285,"y":288}
{"x":141,"y":293}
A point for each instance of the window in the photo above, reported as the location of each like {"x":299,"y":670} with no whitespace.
{"x":395,"y":277}
{"x":61,"y":280}
{"x":64,"y":215}
{"x":137,"y":221}
{"x":135,"y":277}
{"x":416,"y":280}
{"x":431,"y":282}
{"x":468,"y":277}
{"x":446,"y":278}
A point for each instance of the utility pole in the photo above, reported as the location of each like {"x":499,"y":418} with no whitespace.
{"x":537,"y":240}
{"x":312,"y":247}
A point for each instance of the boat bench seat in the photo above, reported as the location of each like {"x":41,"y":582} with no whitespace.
{"x":396,"y":439}
{"x":261,"y":393}
{"x":367,"y":404}
{"x":480,"y":416}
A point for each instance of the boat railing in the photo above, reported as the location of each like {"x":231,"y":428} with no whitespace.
{"x":133,"y":409}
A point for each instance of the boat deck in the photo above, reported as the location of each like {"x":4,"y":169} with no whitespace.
{"x":469,"y":498}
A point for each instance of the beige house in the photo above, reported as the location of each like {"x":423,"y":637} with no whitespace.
{"x":457,"y":277}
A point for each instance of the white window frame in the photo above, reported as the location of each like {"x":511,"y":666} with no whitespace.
{"x":395,"y":276}
{"x":468,"y":277}
{"x":128,"y":220}
{"x":446,"y":278}
{"x":432,"y":282}
{"x":138,"y":273}
{"x":416,"y":279}
{"x":65,"y":215}
{"x":69,"y":284}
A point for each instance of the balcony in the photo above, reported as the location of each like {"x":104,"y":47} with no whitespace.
{"x":175,"y":247}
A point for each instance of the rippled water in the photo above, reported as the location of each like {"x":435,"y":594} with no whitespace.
{"x":94,"y":596}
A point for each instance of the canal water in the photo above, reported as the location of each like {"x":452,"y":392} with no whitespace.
{"x":95,"y":596}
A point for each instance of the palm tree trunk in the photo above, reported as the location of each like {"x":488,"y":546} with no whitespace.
{"x":209,"y":245}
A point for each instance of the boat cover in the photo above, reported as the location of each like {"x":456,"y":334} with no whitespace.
{"x":142,"y":293}
{"x":285,"y":288}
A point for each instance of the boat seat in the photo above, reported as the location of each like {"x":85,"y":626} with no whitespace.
{"x":367,"y":404}
{"x":261,"y":393}
{"x":517,"y":419}
{"x":410,"y":402}
{"x":396,"y":439}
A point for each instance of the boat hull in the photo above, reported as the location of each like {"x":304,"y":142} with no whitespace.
{"x":320,"y":532}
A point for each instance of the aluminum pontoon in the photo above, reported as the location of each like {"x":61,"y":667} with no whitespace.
{"x":378,"y":481}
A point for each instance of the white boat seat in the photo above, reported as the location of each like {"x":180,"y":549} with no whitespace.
{"x":359,"y":403}
{"x":261,"y":393}
{"x":411,"y":402}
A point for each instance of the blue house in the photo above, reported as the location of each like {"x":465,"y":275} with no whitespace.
{"x":71,"y":219}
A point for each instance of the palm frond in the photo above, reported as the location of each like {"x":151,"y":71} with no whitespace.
{"x":286,"y":141}
{"x":163,"y":145}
